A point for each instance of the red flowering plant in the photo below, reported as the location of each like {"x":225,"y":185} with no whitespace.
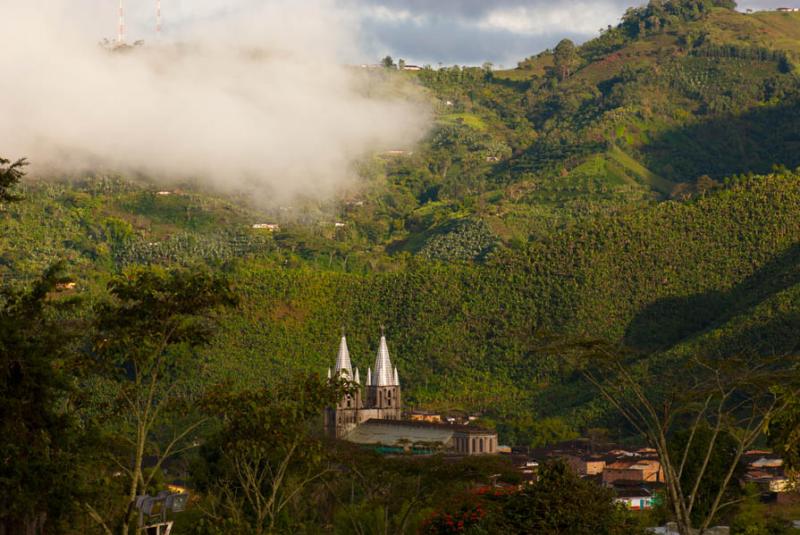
{"x":464,"y":516}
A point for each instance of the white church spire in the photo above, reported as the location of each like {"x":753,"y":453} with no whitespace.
{"x":383,"y":365}
{"x":369,"y":376}
{"x":343,"y":366}
{"x":357,"y":377}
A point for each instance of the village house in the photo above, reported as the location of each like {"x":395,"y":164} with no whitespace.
{"x":424,"y":416}
{"x":636,"y":497}
{"x":272,"y":227}
{"x":396,"y":153}
{"x":586,"y":464}
{"x":765,"y":469}
{"x":639,"y":470}
{"x":66,"y":286}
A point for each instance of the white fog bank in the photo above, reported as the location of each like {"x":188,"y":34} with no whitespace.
{"x":259,"y":101}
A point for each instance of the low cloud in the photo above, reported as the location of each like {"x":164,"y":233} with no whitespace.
{"x":581,"y":18}
{"x":253,"y":99}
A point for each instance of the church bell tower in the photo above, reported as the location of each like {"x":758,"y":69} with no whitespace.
{"x":383,"y":398}
{"x":383,"y":387}
{"x":344,"y":417}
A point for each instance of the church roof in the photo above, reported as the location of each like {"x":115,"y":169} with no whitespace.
{"x":343,"y":366}
{"x":388,"y":433}
{"x":394,"y":432}
{"x":384,"y":374}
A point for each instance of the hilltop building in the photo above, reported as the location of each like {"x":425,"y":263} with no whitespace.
{"x":374,"y":416}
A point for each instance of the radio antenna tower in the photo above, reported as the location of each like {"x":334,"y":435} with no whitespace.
{"x":121,"y":29}
{"x":158,"y":18}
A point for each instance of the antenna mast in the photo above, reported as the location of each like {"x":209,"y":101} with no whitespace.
{"x":121,"y":29}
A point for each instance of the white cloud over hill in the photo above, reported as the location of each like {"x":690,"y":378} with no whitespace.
{"x":252,"y":99}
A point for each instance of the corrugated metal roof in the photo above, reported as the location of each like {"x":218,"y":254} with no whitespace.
{"x":389,"y":433}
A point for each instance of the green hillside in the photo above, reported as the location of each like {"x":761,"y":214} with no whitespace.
{"x":716,"y":274}
{"x":670,"y":102}
{"x":621,"y":190}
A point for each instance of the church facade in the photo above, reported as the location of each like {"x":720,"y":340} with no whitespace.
{"x":381,"y":398}
{"x":373,"y":413}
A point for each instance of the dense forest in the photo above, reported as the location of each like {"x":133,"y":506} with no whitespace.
{"x":639,"y":191}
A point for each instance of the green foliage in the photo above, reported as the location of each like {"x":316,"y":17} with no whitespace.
{"x":753,"y":517}
{"x":722,"y":457}
{"x":538,"y":200}
{"x":144,"y":340}
{"x":561,"y":502}
{"x":39,"y":438}
{"x":464,"y":240}
{"x":658,"y":15}
{"x":565,"y":57}
{"x":10,"y":175}
{"x":784,"y":435}
{"x":255,"y":469}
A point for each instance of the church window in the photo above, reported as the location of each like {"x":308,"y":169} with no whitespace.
{"x":481,"y":445}
{"x":348,"y":403}
{"x":389,"y":402}
{"x":474,"y":448}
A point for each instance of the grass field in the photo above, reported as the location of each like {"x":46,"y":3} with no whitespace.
{"x":468,"y":119}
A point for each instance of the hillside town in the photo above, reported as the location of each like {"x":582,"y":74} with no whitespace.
{"x":378,"y":420}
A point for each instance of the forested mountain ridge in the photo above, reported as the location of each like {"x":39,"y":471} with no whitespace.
{"x":647,"y":110}
{"x":716,"y":274}
{"x":601,"y":191}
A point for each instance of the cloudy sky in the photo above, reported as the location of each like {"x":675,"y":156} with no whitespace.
{"x":421,"y":31}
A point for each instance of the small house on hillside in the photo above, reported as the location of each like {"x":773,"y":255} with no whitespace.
{"x":635,"y":497}
{"x":586,"y":464}
{"x":641,"y":470}
{"x":272,"y":227}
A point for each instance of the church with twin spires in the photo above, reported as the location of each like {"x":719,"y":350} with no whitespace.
{"x":380,"y":400}
{"x":372,"y":415}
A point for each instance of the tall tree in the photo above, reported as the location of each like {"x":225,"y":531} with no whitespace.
{"x":562,"y":502}
{"x":565,"y":57}
{"x":145,"y":336}
{"x":10,"y":175}
{"x":265,"y":454}
{"x":38,"y":483}
{"x":719,"y":408}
